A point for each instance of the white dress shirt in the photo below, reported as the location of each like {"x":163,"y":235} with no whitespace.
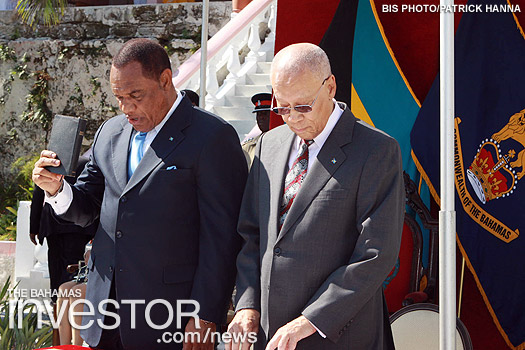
{"x":319,"y":140}
{"x":62,"y":200}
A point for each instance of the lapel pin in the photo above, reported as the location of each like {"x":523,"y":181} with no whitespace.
{"x":333,"y":161}
{"x":171,"y":139}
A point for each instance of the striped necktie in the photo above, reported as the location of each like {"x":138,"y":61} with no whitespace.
{"x":136,"y":153}
{"x":294,"y":179}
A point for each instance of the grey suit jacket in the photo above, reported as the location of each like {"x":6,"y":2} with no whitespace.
{"x":337,"y":245}
{"x":166,"y":233}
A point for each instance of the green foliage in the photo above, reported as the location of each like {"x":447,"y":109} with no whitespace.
{"x":16,"y":34}
{"x":6,"y":53}
{"x":20,"y":185}
{"x":23,"y":168}
{"x":37,"y":109}
{"x":169,"y":49}
{"x":47,"y":12}
{"x":96,"y":85}
{"x":8,"y":225}
{"x":21,"y":71}
{"x":12,"y":135}
{"x":18,"y":188}
{"x":29,"y":336}
{"x":193,"y":35}
{"x":78,"y":99}
{"x":63,"y":53}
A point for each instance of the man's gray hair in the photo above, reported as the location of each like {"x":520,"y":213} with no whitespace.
{"x":295,"y":58}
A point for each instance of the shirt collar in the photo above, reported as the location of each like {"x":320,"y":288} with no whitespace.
{"x":320,"y":139}
{"x":159,"y":126}
{"x":330,"y":124}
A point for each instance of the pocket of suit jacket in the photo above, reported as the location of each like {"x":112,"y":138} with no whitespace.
{"x":340,"y":193}
{"x":176,"y":175}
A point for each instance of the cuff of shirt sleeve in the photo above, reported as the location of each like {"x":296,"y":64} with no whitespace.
{"x":317,"y":329}
{"x":61,"y":201}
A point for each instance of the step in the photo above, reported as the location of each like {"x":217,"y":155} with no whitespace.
{"x":243,"y":127}
{"x":250,"y":90}
{"x":235,"y":113}
{"x":263,"y":67}
{"x":238,"y":101}
{"x":268,"y":48}
{"x":267,"y":56}
{"x":258,"y":79}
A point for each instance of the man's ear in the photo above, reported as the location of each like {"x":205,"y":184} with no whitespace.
{"x":332,"y":86}
{"x":165,"y":79}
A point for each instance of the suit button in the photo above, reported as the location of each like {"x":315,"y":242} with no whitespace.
{"x":277,"y":251}
{"x":120,"y":270}
{"x":111,"y":269}
{"x":119,"y":234}
{"x":124,"y":199}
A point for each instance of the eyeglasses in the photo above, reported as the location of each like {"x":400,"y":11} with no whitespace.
{"x":298,"y":108}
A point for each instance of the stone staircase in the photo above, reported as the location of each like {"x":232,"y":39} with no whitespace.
{"x":237,"y":108}
{"x":238,"y":65}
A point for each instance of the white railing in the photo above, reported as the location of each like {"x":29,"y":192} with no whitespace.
{"x":232,"y":53}
{"x":31,"y":270}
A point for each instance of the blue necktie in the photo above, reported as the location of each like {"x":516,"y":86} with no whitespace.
{"x":136,"y":153}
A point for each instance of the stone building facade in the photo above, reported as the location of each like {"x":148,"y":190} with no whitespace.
{"x":64,"y":69}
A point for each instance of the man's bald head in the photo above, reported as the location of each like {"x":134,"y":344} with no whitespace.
{"x":301,"y":76}
{"x":295,"y":59}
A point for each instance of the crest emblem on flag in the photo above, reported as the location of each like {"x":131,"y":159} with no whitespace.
{"x":491,"y":177}
{"x":492,"y":173}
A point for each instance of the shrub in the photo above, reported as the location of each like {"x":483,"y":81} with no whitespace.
{"x":19,"y":187}
{"x":29,"y":336}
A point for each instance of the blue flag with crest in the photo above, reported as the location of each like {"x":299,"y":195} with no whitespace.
{"x":489,"y":158}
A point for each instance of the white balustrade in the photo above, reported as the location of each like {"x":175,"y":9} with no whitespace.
{"x":31,"y":271}
{"x":234,"y":53}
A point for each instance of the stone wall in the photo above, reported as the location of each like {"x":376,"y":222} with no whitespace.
{"x":7,"y":261}
{"x":64,"y":69}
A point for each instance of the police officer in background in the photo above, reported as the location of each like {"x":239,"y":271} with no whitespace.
{"x":262,"y":103}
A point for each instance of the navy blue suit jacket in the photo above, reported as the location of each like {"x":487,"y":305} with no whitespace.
{"x":166,"y":233}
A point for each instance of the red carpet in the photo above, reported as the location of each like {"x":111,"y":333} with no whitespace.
{"x":65,"y":347}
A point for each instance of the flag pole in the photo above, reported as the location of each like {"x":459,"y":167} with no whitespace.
{"x":461,"y":281}
{"x":204,"y":52}
{"x":447,"y":214}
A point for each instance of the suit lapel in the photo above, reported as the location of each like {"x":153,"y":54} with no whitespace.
{"x":119,"y":153}
{"x":278,"y":171}
{"x":169,"y":136}
{"x":330,"y":158}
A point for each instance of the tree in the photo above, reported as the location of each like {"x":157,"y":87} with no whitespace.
{"x":47,"y":12}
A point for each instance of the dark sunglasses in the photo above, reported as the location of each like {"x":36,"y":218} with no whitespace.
{"x":299,"y":108}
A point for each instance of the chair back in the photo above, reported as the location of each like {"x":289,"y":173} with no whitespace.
{"x":416,"y":327}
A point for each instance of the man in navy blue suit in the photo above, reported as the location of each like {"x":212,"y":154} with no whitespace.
{"x":166,"y":180}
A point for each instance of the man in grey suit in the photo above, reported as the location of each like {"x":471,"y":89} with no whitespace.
{"x":166,"y":180}
{"x":321,"y":220}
